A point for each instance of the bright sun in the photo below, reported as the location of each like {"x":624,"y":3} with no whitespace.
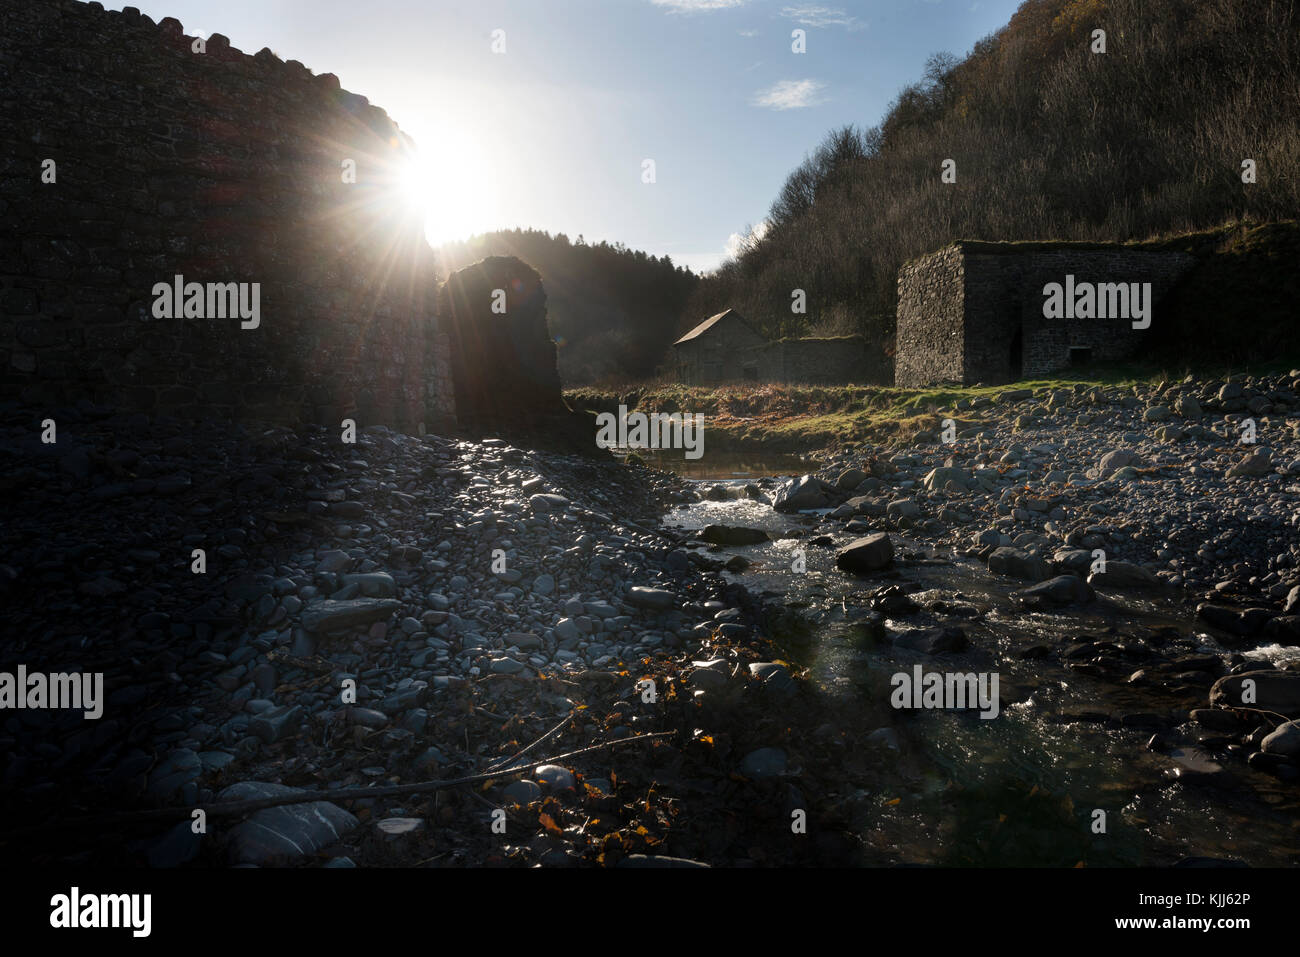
{"x":456,"y":188}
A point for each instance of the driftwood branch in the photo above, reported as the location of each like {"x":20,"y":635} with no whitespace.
{"x":165,"y":815}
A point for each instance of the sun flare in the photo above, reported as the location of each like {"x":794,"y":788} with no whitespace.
{"x":456,"y":189}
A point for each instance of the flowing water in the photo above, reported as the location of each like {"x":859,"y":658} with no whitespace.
{"x":1023,"y":788}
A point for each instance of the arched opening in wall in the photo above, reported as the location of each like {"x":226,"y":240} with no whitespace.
{"x":1017,"y":363}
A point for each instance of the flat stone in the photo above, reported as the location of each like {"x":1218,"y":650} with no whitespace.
{"x":327,"y":615}
{"x":278,"y":835}
{"x":655,"y":599}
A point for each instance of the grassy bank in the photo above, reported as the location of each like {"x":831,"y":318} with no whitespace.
{"x":789,"y":418}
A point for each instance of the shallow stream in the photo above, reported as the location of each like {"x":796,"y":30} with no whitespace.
{"x":1022,"y":788}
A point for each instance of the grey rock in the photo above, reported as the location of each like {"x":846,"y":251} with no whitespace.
{"x":867,"y":554}
{"x":764,"y":763}
{"x":326,"y":615}
{"x":655,"y":599}
{"x":283,"y":834}
{"x":1017,"y":563}
{"x":1061,"y":590}
{"x":1277,"y":691}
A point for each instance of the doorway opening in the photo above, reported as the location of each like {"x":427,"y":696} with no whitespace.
{"x":1017,"y":355}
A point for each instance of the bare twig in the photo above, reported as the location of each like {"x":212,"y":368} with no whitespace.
{"x":236,"y":808}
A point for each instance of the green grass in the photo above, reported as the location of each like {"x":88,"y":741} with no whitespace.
{"x":791,"y":418}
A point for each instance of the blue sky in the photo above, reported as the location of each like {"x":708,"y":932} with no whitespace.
{"x":553,"y":132}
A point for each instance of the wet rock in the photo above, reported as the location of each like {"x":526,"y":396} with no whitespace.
{"x":1217,"y":719}
{"x":1284,"y":629}
{"x":774,"y":677}
{"x":1061,"y":590}
{"x":867,"y":554}
{"x":1277,"y":691}
{"x":804,"y":492}
{"x":1018,"y":563}
{"x":733,"y":535}
{"x":1285,"y":740}
{"x":1123,"y":575}
{"x":932,"y":641}
{"x":1238,"y":621}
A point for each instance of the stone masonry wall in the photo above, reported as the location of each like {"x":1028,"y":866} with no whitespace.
{"x":971,"y":311}
{"x":1004,"y":293}
{"x":845,"y":359}
{"x":930,"y":333}
{"x":220,"y":167}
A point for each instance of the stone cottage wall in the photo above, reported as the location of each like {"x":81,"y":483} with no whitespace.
{"x":843,"y":359}
{"x":220,"y":167}
{"x":1004,"y":294}
{"x":966,"y":310}
{"x":930,"y":335}
{"x":721,"y":354}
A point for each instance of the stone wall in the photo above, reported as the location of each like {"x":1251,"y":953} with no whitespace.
{"x":973,"y":312}
{"x":930,"y":332}
{"x":503,"y":357}
{"x":842,"y":359}
{"x":730,"y":351}
{"x":222,"y":168}
{"x":1004,"y":295}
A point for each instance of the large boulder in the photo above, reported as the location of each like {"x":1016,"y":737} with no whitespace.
{"x":1277,"y":691}
{"x":868,"y":554}
{"x":807,"y":491}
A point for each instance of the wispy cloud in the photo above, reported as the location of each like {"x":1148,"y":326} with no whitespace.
{"x":748,"y":33}
{"x":813,"y":15}
{"x":696,"y":6}
{"x":791,"y":95}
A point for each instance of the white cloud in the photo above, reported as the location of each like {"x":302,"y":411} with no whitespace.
{"x":748,"y":33}
{"x":812,"y":15}
{"x":791,"y":95}
{"x":696,"y":6}
{"x":737,"y":242}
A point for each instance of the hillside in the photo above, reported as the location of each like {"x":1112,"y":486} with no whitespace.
{"x":1050,"y":141}
{"x":611,"y":309}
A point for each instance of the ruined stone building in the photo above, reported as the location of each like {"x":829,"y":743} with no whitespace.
{"x":974,"y":311}
{"x":725,"y":348}
{"x":136,"y":154}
